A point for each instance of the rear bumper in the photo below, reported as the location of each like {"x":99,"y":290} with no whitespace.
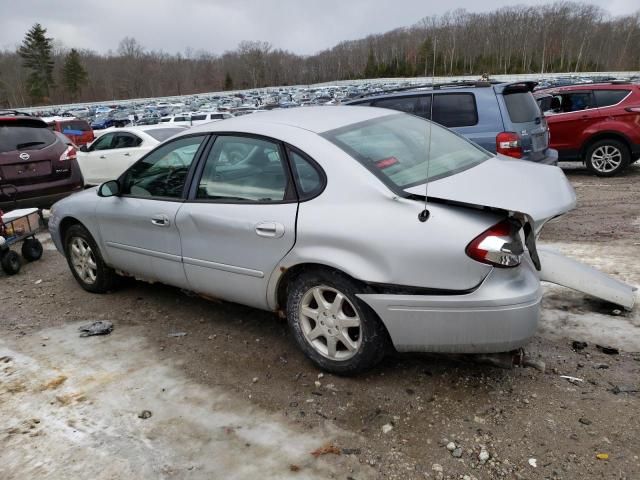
{"x":500,"y":315}
{"x":550,"y":157}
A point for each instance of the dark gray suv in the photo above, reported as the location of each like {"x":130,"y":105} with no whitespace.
{"x":500,"y":117}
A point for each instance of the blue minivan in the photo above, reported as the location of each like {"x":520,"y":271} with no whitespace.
{"x":500,"y":117}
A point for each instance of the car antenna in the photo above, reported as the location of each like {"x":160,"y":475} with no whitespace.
{"x":424,"y":215}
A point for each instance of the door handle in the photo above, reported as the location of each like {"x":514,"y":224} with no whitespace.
{"x":160,"y":220}
{"x":270,"y":229}
{"x":127,"y":154}
{"x":102,"y":156}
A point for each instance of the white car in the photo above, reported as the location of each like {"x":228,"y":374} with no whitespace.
{"x":116,"y":150}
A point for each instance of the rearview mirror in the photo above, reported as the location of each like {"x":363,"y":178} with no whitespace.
{"x":84,"y":148}
{"x":109,"y":189}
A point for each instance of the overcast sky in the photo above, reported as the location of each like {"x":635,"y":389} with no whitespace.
{"x":301,"y":26}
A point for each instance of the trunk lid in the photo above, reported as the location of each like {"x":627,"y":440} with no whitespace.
{"x":540,"y":192}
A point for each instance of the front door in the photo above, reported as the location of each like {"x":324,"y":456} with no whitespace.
{"x":138,"y":227}
{"x":239,"y":221}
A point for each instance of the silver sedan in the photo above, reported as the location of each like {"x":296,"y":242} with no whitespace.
{"x":370,"y":229}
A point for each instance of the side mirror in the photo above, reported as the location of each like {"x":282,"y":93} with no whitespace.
{"x":109,"y":189}
{"x":84,"y":148}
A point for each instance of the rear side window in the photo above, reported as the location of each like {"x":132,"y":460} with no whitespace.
{"x":308,"y":178}
{"x":455,"y":109}
{"x":522,"y":107}
{"x":16,"y":135}
{"x":606,"y":98}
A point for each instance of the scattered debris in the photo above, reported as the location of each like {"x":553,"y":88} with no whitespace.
{"x":101,"y":327}
{"x":584,"y":421}
{"x":38,"y":282}
{"x":325,"y":450}
{"x":533,"y":462}
{"x":625,"y":389}
{"x":572,"y":379}
{"x":294,"y":468}
{"x":451,"y":446}
{"x":177,"y":334}
{"x":457,"y":453}
{"x":602,"y":456}
{"x":254,"y":380}
{"x":577,"y":346}
{"x":386,"y":428}
{"x":616,"y":312}
{"x":608,"y":350}
{"x":351,"y":451}
{"x":144,"y":414}
{"x":483,"y":456}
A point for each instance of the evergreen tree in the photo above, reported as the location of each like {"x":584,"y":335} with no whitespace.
{"x":228,"y":82}
{"x":74,"y":76}
{"x":36,"y":57}
{"x":371,"y":69}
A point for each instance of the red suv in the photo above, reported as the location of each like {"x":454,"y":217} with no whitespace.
{"x":79,"y":131}
{"x":37,"y":166}
{"x":598,"y":124}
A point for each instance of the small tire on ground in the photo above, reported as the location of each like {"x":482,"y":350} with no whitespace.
{"x":375,"y":342}
{"x":105,"y":276}
{"x":607,"y":142}
{"x":32,"y":249}
{"x":10,"y":262}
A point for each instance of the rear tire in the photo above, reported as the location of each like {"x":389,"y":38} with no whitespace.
{"x":85,"y":261}
{"x":32,"y":249}
{"x":607,"y":158}
{"x":10,"y":262}
{"x":336,"y":330}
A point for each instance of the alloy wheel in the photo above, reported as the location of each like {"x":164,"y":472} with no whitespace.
{"x":330,"y":323}
{"x":83,"y":260}
{"x":606,"y":158}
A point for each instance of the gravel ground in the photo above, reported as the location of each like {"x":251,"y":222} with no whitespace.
{"x":237,"y":370}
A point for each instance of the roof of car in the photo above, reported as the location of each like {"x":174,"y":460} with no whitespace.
{"x":622,"y":85}
{"x":315,"y":119}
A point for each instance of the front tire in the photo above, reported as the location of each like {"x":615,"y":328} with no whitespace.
{"x":335,"y":329}
{"x":607,"y":158}
{"x":85,"y":261}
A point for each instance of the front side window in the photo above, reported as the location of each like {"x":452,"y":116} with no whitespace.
{"x":396,"y":148}
{"x":162,"y":173}
{"x":244,"y":169}
{"x":126,"y":140}
{"x":576,"y":101}
{"x":105,"y":142}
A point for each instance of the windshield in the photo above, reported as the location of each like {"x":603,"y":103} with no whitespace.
{"x":395,"y":149}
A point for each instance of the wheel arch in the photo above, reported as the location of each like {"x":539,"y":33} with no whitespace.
{"x":604,"y":135}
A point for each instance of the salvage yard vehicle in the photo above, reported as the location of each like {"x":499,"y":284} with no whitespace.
{"x":598,"y":124}
{"x":321,"y":213}
{"x":37,"y":166}
{"x":117,"y":149}
{"x":78,"y":131}
{"x":500,"y":117}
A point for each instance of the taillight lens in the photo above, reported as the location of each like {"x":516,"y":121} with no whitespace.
{"x":499,"y":246}
{"x":69,"y":154}
{"x":508,"y":143}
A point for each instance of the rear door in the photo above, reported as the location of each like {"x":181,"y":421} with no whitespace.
{"x":239,"y":221}
{"x":522,"y":115}
{"x":30,"y":153}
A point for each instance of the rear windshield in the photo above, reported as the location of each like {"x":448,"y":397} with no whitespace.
{"x":15,"y":135}
{"x":74,"y":128}
{"x":395,"y":148}
{"x":161,"y":134}
{"x":522,"y":107}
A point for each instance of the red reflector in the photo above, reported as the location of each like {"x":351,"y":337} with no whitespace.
{"x":386,"y":162}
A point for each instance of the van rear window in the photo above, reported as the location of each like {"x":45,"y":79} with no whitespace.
{"x":522,"y":107}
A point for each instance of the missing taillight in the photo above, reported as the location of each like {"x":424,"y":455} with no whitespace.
{"x":499,"y":245}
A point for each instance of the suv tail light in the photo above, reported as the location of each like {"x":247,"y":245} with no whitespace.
{"x":499,"y":246}
{"x":508,"y":143}
{"x":69,"y":154}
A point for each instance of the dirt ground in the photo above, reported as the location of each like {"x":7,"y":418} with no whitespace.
{"x":233,"y":398}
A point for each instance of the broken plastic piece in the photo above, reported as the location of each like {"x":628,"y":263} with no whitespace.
{"x":101,"y":327}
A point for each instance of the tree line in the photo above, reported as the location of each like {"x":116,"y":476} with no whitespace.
{"x":558,"y":37}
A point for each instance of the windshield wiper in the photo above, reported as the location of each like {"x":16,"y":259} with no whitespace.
{"x":20,"y":146}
